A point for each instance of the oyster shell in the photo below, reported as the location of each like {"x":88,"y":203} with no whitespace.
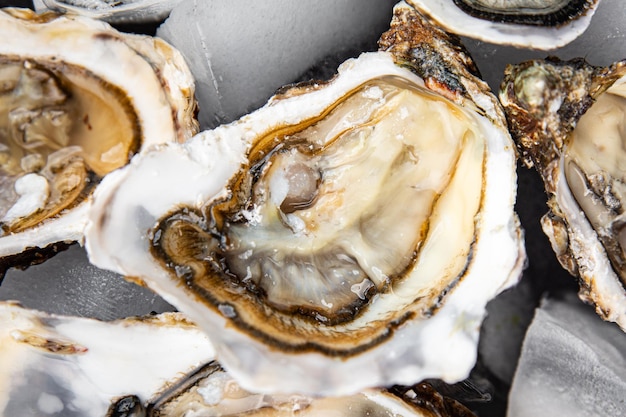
{"x":568,"y":120}
{"x":542,"y":24}
{"x":346,"y":235}
{"x":212,"y":391}
{"x":78,"y":99}
{"x":124,"y":11}
{"x":69,"y":366}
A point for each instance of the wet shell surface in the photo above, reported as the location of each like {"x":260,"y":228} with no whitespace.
{"x":568,"y":118}
{"x":78,"y":367}
{"x":120,"y":11}
{"x":543,"y":24}
{"x":78,"y":100}
{"x":346,"y":235}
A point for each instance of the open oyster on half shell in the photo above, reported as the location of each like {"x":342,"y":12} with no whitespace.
{"x":77,"y":100}
{"x":77,"y":367}
{"x":569,"y":121}
{"x":346,"y":235}
{"x":536,"y":24}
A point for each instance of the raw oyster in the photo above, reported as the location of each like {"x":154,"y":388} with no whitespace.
{"x":568,"y":121}
{"x":118,"y":11}
{"x":536,"y":24}
{"x":212,"y":392}
{"x":571,"y":364}
{"x":78,"y":99}
{"x":68,"y":366}
{"x":346,"y":235}
{"x":236,"y":71}
{"x":155,"y":366}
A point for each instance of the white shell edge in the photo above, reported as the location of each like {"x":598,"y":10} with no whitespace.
{"x":453,"y":19}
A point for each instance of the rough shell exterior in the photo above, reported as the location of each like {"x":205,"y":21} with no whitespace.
{"x":544,"y":101}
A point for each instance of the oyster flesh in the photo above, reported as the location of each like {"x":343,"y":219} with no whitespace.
{"x":536,"y":24}
{"x":568,"y":118}
{"x":346,"y":235}
{"x":77,"y":100}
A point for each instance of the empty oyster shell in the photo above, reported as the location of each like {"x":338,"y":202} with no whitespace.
{"x":536,"y":24}
{"x":568,"y":120}
{"x":346,"y":235}
{"x":78,"y":100}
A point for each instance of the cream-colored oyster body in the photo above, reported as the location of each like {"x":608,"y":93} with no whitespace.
{"x":542,"y":25}
{"x":346,"y":235}
{"x":78,"y":100}
{"x":569,"y":120}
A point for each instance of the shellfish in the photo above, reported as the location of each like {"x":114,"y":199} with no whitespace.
{"x":568,"y":120}
{"x":78,"y":100}
{"x":543,"y":24}
{"x":346,"y":235}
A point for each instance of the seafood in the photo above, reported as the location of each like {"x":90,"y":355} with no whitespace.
{"x":346,"y":235}
{"x":68,"y":366}
{"x":543,"y":24}
{"x":125,"y":11}
{"x":78,"y":100}
{"x":568,"y":120}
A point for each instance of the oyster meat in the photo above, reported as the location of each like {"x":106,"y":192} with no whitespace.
{"x":568,"y":118}
{"x":346,"y":235}
{"x":77,"y":100}
{"x":535,"y":24}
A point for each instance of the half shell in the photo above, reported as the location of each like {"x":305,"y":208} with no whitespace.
{"x":569,"y":121}
{"x":121,"y":11}
{"x":346,"y":235}
{"x":542,"y":24}
{"x":78,"y":100}
{"x":69,"y":366}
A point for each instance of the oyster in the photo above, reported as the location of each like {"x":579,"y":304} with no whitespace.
{"x":346,"y":235}
{"x":68,"y":366}
{"x":124,"y":11}
{"x":536,"y":24}
{"x":212,"y":391}
{"x":78,"y":99}
{"x":568,"y":120}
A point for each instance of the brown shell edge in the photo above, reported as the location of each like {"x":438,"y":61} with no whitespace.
{"x":440,"y":59}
